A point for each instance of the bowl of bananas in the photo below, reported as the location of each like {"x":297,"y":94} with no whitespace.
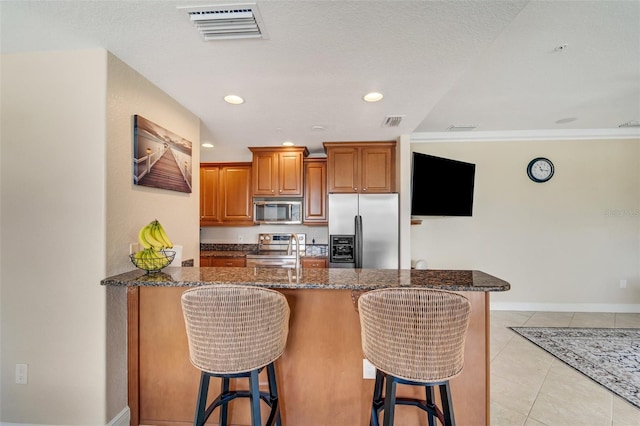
{"x":151,"y":260}
{"x":155,"y":254}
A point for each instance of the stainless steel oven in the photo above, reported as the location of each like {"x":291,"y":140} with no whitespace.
{"x":277,"y":250}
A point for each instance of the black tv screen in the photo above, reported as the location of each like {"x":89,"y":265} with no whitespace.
{"x":441,"y":187}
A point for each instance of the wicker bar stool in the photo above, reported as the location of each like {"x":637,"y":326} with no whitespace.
{"x":234,"y":332}
{"x":413,"y":336}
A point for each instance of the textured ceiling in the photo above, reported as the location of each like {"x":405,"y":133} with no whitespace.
{"x":490,"y":63}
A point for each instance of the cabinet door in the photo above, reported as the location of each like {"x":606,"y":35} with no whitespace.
{"x":265,"y":174}
{"x":343,"y":170}
{"x":313,"y":262}
{"x":236,"y":204}
{"x":205,"y":261}
{"x":290,"y":174}
{"x":377,"y":169}
{"x":315,"y":192}
{"x":227,"y":261}
{"x":209,"y":197}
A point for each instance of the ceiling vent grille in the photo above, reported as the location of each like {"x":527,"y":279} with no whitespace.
{"x":632,"y":123}
{"x":392,"y":120}
{"x":224,"y":22}
{"x":461,"y":127}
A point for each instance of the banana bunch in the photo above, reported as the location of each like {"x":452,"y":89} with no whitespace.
{"x":154,"y":241}
{"x":151,"y":260}
{"x":154,"y":237}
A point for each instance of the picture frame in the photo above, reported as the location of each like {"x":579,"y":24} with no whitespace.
{"x":161,"y":159}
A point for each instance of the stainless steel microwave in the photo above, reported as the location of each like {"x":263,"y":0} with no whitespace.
{"x":277,"y":212}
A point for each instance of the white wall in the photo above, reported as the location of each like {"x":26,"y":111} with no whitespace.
{"x":53,"y":236}
{"x":564,"y":244}
{"x":68,"y":212}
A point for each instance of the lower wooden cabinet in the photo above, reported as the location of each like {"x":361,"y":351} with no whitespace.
{"x":314,"y":262}
{"x":222,"y":261}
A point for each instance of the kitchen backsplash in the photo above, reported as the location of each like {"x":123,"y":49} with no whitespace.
{"x":228,"y":247}
{"x":311,"y":249}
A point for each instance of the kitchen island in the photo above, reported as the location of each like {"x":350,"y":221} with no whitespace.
{"x":320,"y":375}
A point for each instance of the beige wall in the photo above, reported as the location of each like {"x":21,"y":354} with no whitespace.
{"x":68,"y":213}
{"x":129,"y":207}
{"x":53,"y":236}
{"x":564,"y":244}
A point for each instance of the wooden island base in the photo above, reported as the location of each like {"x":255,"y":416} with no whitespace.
{"x":319,"y":375}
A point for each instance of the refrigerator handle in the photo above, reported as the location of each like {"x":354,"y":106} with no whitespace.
{"x":358,"y":242}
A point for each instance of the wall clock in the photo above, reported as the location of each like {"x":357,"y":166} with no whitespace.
{"x":540,"y":169}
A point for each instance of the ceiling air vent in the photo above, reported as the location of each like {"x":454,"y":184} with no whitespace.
{"x":392,"y":120}
{"x":461,"y":127}
{"x":224,"y":22}
{"x":632,"y":123}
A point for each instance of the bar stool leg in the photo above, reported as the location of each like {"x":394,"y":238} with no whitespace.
{"x":389,"y":401}
{"x":201,"y":408}
{"x":377,"y":399}
{"x":447,"y":406}
{"x":254,"y":385}
{"x":224,"y":408}
{"x":273,"y":396}
{"x":430,"y":404}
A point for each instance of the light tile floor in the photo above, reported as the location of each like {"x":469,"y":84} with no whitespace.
{"x":530,"y":387}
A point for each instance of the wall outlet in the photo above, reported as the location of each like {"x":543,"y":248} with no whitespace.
{"x":240,"y":239}
{"x":368,"y":369}
{"x":22,"y":374}
{"x":623,"y":283}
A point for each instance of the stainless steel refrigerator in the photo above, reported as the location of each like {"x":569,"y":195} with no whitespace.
{"x":372,"y":219}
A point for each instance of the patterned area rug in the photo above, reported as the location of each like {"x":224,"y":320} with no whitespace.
{"x":609,"y":356}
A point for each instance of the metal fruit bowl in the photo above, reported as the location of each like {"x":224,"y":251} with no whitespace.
{"x":155,"y":263}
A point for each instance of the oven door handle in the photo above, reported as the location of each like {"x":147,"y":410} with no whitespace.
{"x":268,"y":263}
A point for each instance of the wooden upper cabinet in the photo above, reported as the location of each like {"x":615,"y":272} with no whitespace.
{"x":225,"y":194}
{"x":315,"y":191}
{"x":209,"y":189}
{"x":236,"y":203}
{"x":361,"y":167}
{"x":277,"y":172}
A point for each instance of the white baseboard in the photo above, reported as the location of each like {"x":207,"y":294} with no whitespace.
{"x":566,"y":307}
{"x":122,"y":419}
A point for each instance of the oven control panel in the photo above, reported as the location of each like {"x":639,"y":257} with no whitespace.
{"x":280,"y":242}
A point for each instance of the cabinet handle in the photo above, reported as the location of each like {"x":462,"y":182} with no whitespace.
{"x":355,"y":189}
{"x":364,"y":189}
{"x":273,"y":190}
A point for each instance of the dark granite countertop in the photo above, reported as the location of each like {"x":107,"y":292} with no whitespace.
{"x":321,"y":278}
{"x":224,"y":253}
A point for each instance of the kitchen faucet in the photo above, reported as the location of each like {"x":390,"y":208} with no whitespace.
{"x":295,"y":237}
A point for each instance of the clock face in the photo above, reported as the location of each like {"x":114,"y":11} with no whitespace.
{"x":540,"y":169}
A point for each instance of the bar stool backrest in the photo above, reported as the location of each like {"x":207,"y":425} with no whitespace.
{"x":415,"y":334}
{"x":233,"y":328}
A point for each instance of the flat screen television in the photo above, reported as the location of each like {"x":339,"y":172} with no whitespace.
{"x":441,"y":186}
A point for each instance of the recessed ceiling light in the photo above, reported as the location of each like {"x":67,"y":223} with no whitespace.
{"x":373,"y":97}
{"x":287,"y":143}
{"x":233,"y":99}
{"x":207,"y":145}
